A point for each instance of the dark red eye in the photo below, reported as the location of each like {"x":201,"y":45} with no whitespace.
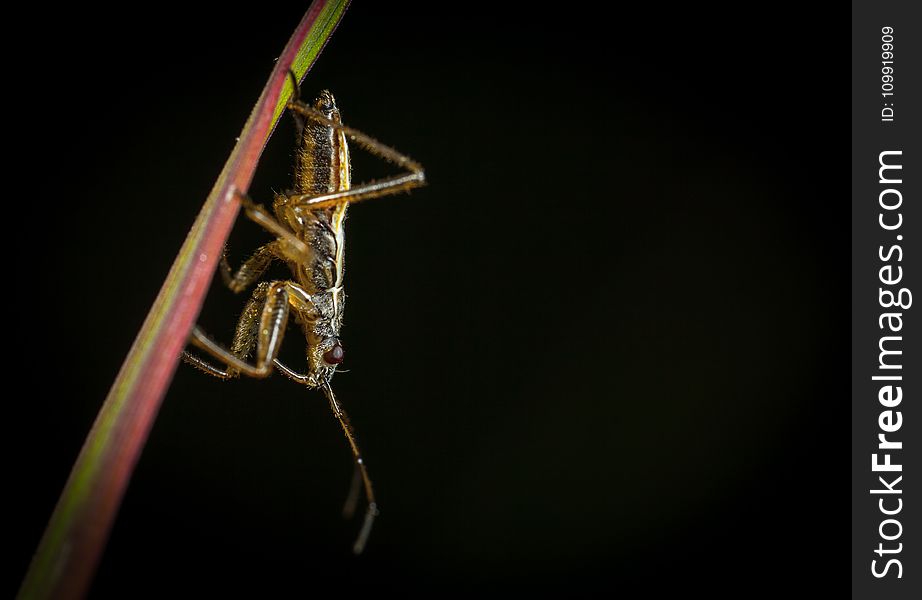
{"x":334,"y":355}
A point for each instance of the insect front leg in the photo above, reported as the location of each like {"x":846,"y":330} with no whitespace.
{"x":244,"y":336}
{"x":270,"y":305}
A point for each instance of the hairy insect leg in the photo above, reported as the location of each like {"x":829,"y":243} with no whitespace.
{"x":244,"y":336}
{"x":300,"y":121}
{"x":203,"y":365}
{"x":251,"y":270}
{"x":288,"y":243}
{"x":414,"y":178}
{"x":366,"y":191}
{"x":269,"y":303}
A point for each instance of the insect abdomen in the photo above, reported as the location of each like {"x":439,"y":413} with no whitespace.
{"x":322,"y":160}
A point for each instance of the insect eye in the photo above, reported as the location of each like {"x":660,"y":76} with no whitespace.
{"x":334,"y":355}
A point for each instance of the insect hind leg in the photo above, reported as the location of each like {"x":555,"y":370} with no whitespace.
{"x":414,"y":176}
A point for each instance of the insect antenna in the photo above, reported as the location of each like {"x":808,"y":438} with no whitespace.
{"x":372,"y":511}
{"x":352,"y":499}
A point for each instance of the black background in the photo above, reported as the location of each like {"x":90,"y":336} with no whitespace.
{"x":606,"y":347}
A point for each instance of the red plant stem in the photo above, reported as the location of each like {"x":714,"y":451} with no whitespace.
{"x":73,"y":542}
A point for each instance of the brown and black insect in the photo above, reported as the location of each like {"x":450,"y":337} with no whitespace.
{"x":308,"y":222}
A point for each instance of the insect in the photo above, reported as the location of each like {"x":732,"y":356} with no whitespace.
{"x":308,"y":223}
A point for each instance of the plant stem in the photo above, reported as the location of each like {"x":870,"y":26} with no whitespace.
{"x":75,"y":537}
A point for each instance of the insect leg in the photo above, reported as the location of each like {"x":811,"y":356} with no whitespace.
{"x":244,"y":336}
{"x":289,"y":244}
{"x":200,"y":364}
{"x":273,"y":317}
{"x":366,"y":191}
{"x":294,"y":375}
{"x":414,"y":177}
{"x":251,"y":270}
{"x":300,"y":122}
